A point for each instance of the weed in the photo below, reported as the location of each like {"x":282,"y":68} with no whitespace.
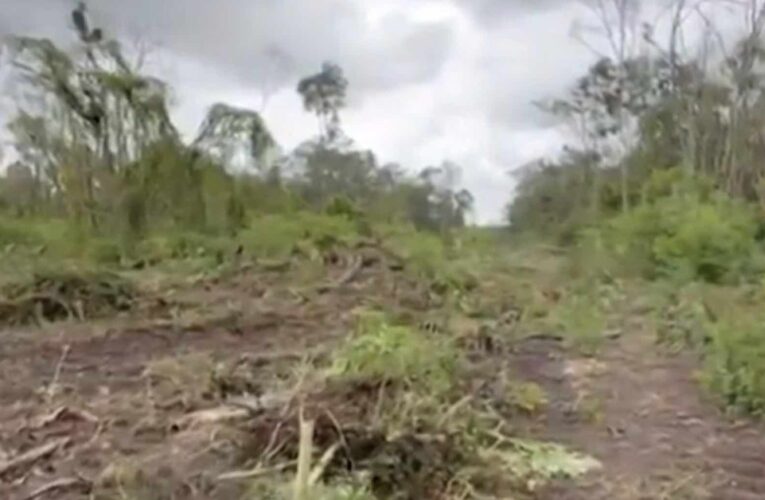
{"x":527,"y":397}
{"x":396,"y":354}
{"x":686,"y":238}
{"x":583,"y":321}
{"x":425,"y":253}
{"x":734,"y":366}
{"x":590,"y":408}
{"x":536,"y":463}
{"x":277,"y":236}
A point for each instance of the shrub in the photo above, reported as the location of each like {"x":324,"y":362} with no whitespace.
{"x":183,"y":245}
{"x":583,"y":321}
{"x":104,"y":251}
{"x":274,"y":236}
{"x":424,"y":252}
{"x":684,"y":236}
{"x":397,"y":354}
{"x":734,"y":366}
{"x":340,"y":206}
{"x":17,"y":232}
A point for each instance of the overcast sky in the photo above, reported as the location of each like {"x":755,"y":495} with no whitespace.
{"x":429,"y":79}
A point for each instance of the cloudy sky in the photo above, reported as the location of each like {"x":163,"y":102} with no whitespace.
{"x":429,"y":79}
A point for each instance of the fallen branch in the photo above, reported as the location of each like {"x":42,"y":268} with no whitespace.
{"x":66,"y":412}
{"x":321,"y":466}
{"x":60,"y":484}
{"x":541,"y":336}
{"x":212,"y":416}
{"x":454,"y":409}
{"x":305,"y":452}
{"x":57,"y":374}
{"x":256,"y":472}
{"x":30,"y":457}
{"x":347,"y":277}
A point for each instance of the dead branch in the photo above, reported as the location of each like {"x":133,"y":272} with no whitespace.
{"x":57,"y":374}
{"x":347,"y":277}
{"x":212,"y":416}
{"x":65,"y":483}
{"x":302,"y":477}
{"x":321,"y":466}
{"x":63,"y":412}
{"x":256,"y":472}
{"x":30,"y":457}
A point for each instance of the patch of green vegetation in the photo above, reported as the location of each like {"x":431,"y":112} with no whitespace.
{"x":687,"y":237}
{"x":278,"y":235}
{"x":734,"y":364}
{"x":527,"y":397}
{"x":590,"y":408}
{"x":425,"y":253}
{"x":396,"y":354}
{"x":681,"y":320}
{"x":583,"y":322}
{"x":537,"y":463}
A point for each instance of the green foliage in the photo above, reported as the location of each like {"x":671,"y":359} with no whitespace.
{"x":537,"y":463}
{"x":18,"y":232}
{"x":396,"y":354}
{"x":274,"y":236}
{"x":583,"y":322}
{"x":681,"y":316}
{"x":183,"y":245}
{"x":550,"y":461}
{"x":424,"y":252}
{"x":340,"y":206}
{"x":556,"y":199}
{"x":528,"y":397}
{"x":734,"y":366}
{"x":688,"y":237}
{"x":104,"y":251}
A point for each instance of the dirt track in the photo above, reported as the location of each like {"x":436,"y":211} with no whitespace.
{"x":643,"y":416}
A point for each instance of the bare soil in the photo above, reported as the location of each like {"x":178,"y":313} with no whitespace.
{"x":641,"y":413}
{"x":95,"y":407}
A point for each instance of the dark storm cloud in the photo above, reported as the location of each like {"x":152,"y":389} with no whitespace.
{"x":261,"y":42}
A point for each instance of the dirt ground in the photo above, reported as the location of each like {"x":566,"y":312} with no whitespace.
{"x":641,"y":413}
{"x":97,"y":404}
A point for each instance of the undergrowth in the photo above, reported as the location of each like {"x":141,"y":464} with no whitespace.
{"x":734,"y":363}
{"x":396,"y":354}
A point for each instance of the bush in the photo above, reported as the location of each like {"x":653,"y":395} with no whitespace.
{"x":104,"y":251}
{"x":583,"y":322}
{"x":183,"y":245}
{"x":734,"y":366}
{"x":18,"y":232}
{"x":340,"y":206}
{"x":274,"y":236}
{"x":684,"y":236}
{"x":424,"y":252}
{"x":396,"y":354}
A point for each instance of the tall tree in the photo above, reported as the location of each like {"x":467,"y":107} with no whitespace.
{"x":228,"y":132}
{"x":324,"y":94}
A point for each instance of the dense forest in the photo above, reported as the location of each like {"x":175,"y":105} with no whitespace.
{"x":218,"y":317}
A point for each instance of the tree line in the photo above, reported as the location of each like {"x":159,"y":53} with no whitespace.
{"x":95,"y":143}
{"x":652,"y":110}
